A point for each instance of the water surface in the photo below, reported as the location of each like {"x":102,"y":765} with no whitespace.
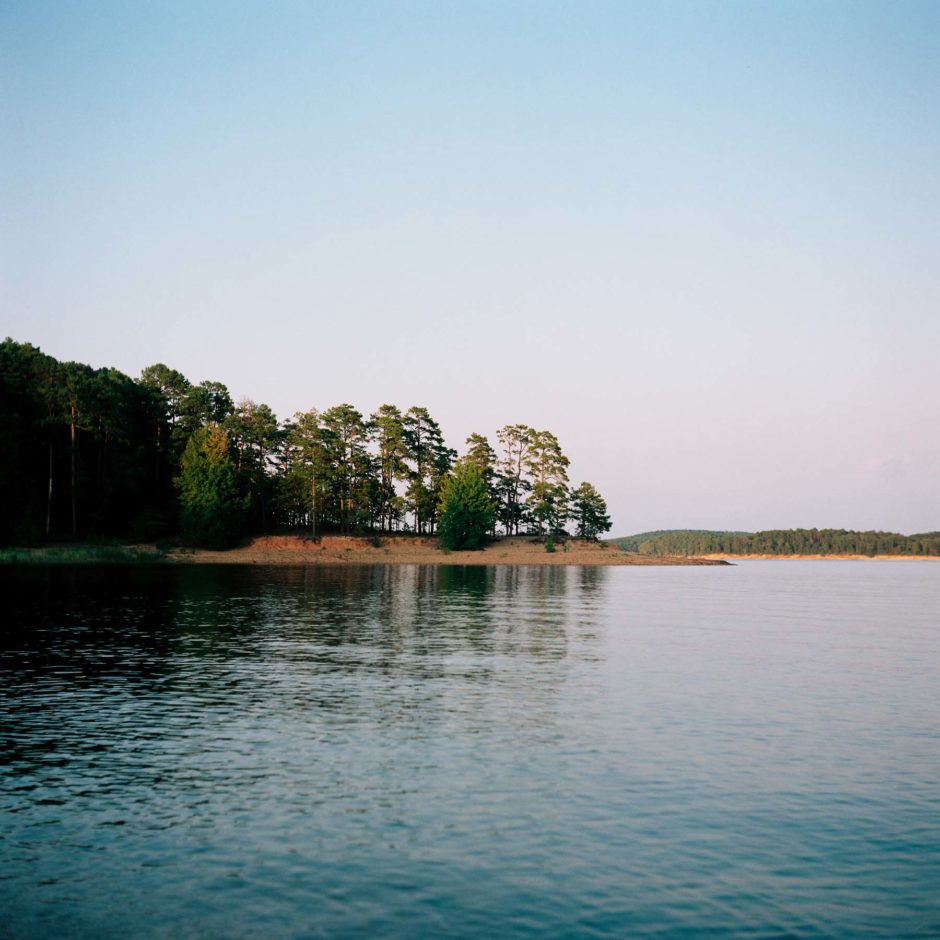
{"x":408,"y":751}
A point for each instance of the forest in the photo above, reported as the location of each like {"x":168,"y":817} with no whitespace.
{"x":780,"y":542}
{"x":91,"y":453}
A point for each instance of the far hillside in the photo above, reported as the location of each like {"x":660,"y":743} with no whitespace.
{"x":779,"y":542}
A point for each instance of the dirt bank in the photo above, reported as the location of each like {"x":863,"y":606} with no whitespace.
{"x":727,"y":557}
{"x":407,"y":550}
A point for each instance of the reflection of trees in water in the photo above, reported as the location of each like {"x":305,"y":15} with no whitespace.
{"x":385,"y":644}
{"x":428,"y":610}
{"x":549,"y":602}
{"x":85,"y":621}
{"x":114,"y":618}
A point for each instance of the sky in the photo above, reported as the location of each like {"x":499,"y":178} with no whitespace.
{"x":700,"y":242}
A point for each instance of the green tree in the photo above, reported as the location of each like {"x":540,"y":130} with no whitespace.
{"x":171,"y":387}
{"x":466,"y":510}
{"x":432,"y":461}
{"x":27,"y":437}
{"x":167,"y":389}
{"x":205,"y":403}
{"x":548,"y":469}
{"x":388,"y":428}
{"x":255,"y":436}
{"x":512,"y":484}
{"x":589,"y":512}
{"x":304,"y":469}
{"x":72,"y":394}
{"x":480,"y":453}
{"x":349,"y":467}
{"x":212,"y":510}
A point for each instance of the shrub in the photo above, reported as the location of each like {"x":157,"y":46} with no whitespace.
{"x":467,"y":512}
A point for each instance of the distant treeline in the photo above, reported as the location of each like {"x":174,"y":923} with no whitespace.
{"x":780,"y":542}
{"x":94,"y":453}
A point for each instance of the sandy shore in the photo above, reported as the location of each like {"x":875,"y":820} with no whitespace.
{"x":405,"y":550}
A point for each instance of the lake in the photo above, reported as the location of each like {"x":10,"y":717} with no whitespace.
{"x":477,"y":752}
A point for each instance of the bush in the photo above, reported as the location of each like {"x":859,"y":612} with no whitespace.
{"x":467,"y":512}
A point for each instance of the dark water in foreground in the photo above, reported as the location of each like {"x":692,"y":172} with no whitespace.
{"x":251,"y":752}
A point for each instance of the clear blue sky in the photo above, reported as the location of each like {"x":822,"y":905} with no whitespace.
{"x":698,"y":241}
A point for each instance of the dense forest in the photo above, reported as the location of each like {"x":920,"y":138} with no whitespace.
{"x":93,"y":453}
{"x":780,"y":542}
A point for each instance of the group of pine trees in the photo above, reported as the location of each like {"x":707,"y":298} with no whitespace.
{"x":91,"y":452}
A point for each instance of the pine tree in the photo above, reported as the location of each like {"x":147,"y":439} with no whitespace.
{"x":589,"y":511}
{"x":516,"y":441}
{"x":432,"y":461}
{"x":212,"y":511}
{"x":388,"y":430}
{"x":344,"y":436}
{"x":548,"y":468}
{"x":466,"y":511}
{"x":480,"y":453}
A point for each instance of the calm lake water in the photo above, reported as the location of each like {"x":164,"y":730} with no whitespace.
{"x":406,"y":751}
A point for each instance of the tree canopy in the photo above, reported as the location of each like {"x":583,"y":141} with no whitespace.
{"x":589,"y":512}
{"x":92,"y":452}
{"x":467,"y":511}
{"x":211,"y":507}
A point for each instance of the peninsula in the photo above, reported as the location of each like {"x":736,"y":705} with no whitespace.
{"x":93,"y":454}
{"x":404,"y":550}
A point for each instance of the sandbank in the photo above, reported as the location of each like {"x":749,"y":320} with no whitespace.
{"x":418,"y":550}
{"x":768,"y":557}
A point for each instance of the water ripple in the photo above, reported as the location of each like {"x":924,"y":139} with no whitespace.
{"x":476,"y":752}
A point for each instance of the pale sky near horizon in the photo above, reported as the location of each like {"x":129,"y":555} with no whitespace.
{"x":698,"y":241}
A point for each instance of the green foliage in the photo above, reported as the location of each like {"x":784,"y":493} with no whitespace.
{"x":548,"y":470}
{"x":512,"y":481}
{"x":255,"y":436}
{"x":82,"y":555}
{"x":389,"y":431}
{"x":632,"y":543}
{"x":349,"y":481}
{"x":466,"y":512}
{"x":480,"y":453}
{"x":77,"y":455}
{"x":91,"y":453}
{"x":550,"y":545}
{"x":430,"y":460}
{"x":780,"y":542}
{"x":589,"y":511}
{"x":212,"y":511}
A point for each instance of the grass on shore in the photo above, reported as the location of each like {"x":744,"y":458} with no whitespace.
{"x":81,"y":555}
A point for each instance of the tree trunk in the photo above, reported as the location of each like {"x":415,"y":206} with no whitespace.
{"x":313,"y":505}
{"x":158,"y":459}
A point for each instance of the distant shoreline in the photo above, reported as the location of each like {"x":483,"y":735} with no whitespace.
{"x":783,"y":543}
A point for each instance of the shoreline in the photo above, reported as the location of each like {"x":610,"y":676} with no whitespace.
{"x":423,"y":550}
{"x":844,"y":557}
{"x":341,"y":550}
